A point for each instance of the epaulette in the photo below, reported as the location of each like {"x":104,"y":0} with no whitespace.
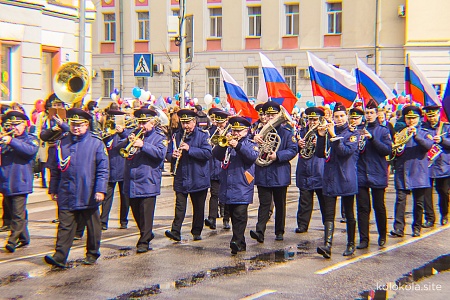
{"x":96,"y":136}
{"x":160,"y":132}
{"x":426,"y":129}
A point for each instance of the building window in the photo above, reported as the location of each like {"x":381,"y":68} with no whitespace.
{"x":175,"y":83}
{"x":291,"y":78}
{"x":252,"y":82}
{"x":214,"y":82}
{"x":254,"y":21}
{"x":108,"y":83}
{"x":5,"y":72}
{"x":216,"y":22}
{"x":110,"y":27}
{"x":143,"y":26}
{"x":334,"y":12}
{"x":292,"y":20}
{"x":142,"y":83}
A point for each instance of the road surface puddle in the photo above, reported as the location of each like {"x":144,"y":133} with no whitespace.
{"x":409,"y":281}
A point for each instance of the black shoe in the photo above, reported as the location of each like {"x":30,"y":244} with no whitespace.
{"x":21,"y":244}
{"x":300,"y":230}
{"x":428,"y":224}
{"x":362,"y":245}
{"x":234,"y":248}
{"x":123,"y":226}
{"x":279,"y":237}
{"x":5,"y":228}
{"x":211,"y":223}
{"x":416,"y":233}
{"x":104,"y":227}
{"x":444,"y":221}
{"x":350,"y":250}
{"x":10,"y":248}
{"x":397,"y":233}
{"x":226,"y":224}
{"x":381,"y":241}
{"x":89,"y":260}
{"x":173,"y":236}
{"x":77,"y":237}
{"x":257,"y":236}
{"x":51,"y":261}
{"x":142,"y":248}
{"x":55,"y":221}
{"x":343,"y":220}
{"x":325,"y":251}
{"x":197,"y":237}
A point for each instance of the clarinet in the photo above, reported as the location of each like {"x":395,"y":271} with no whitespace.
{"x":178,"y":158}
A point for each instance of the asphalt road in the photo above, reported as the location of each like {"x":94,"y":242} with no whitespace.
{"x":290,"y":269}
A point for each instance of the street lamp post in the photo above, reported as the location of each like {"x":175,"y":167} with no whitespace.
{"x":82,"y":35}
{"x":182,"y":52}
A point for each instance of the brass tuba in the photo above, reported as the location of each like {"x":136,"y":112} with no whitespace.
{"x":71,"y":83}
{"x":271,"y":138}
{"x":308,"y":151}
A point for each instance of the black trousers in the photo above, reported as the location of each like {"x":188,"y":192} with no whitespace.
{"x":305,"y":207}
{"x":400,"y":206}
{"x":17,"y":206}
{"x":214,"y":199}
{"x":6,"y":212}
{"x":442,"y":186}
{"x":328,"y":208}
{"x":239,"y":218}
{"x":66,"y":231}
{"x":107,"y":204}
{"x":363,"y":208}
{"x":198,"y":200}
{"x":266,"y":194}
{"x":143,"y":211}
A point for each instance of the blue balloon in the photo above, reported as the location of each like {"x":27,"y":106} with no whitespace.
{"x":298,"y":95}
{"x":116,"y":91}
{"x":403,"y":94}
{"x":309,"y":103}
{"x":177,"y":96}
{"x":169,"y":100}
{"x":136,"y":92}
{"x":332,"y":105}
{"x":217,"y":100}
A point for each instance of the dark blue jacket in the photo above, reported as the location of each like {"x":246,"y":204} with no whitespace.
{"x":116,"y":162}
{"x":86,"y":173}
{"x":235,"y":186}
{"x":192,"y":174}
{"x":47,"y":134}
{"x":340,"y":174}
{"x":411,"y":166}
{"x":372,"y":164}
{"x":278,"y":173}
{"x":309,"y":172}
{"x":214,"y":163}
{"x":440,"y":167}
{"x":16,"y":171}
{"x":142,"y":176}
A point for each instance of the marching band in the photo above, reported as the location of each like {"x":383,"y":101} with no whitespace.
{"x":345,"y":154}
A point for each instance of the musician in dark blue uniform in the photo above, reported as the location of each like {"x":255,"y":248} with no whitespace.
{"x":339,"y":146}
{"x":221,"y":119}
{"x":375,"y":144}
{"x":18,"y":151}
{"x":116,"y":170}
{"x":309,"y":171}
{"x":79,"y":184}
{"x":411,"y":171}
{"x":142,"y":177}
{"x":261,"y":119}
{"x":439,"y":158}
{"x":273,"y":179}
{"x":237,"y":178}
{"x":193,"y":152}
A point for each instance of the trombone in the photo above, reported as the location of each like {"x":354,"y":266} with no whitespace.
{"x":129,"y":149}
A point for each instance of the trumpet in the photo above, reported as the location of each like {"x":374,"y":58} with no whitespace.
{"x":178,"y":158}
{"x":215,"y":138}
{"x":129,"y":149}
{"x":9,"y":132}
{"x":223,"y":141}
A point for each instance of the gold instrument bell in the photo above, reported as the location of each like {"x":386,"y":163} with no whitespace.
{"x":71,"y":83}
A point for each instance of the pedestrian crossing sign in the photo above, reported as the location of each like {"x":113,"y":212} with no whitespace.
{"x":143,"y":65}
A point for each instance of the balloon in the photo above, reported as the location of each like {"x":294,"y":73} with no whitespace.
{"x":177,"y":97}
{"x":195,"y":101}
{"x":191,"y":102}
{"x":186,"y":94}
{"x":213,"y":105}
{"x":143,"y":97}
{"x":217,"y":100}
{"x":136,"y":92}
{"x":177,"y":103}
{"x":403,"y":94}
{"x":309,"y":103}
{"x":39,"y":105}
{"x":298,"y":95}
{"x":208,"y":99}
{"x":116,"y":91}
{"x":119,"y":101}
{"x":152,"y":97}
{"x":169,"y":100}
{"x":401,"y":100}
{"x":113,"y":96}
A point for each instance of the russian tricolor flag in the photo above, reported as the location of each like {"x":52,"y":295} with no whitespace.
{"x":417,"y":85}
{"x":370,"y":86}
{"x":331,"y":83}
{"x":277,"y":89}
{"x":446,"y":100}
{"x":237,"y":98}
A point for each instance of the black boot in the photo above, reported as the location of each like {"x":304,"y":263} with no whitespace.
{"x":325,"y":250}
{"x":351,"y":227}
